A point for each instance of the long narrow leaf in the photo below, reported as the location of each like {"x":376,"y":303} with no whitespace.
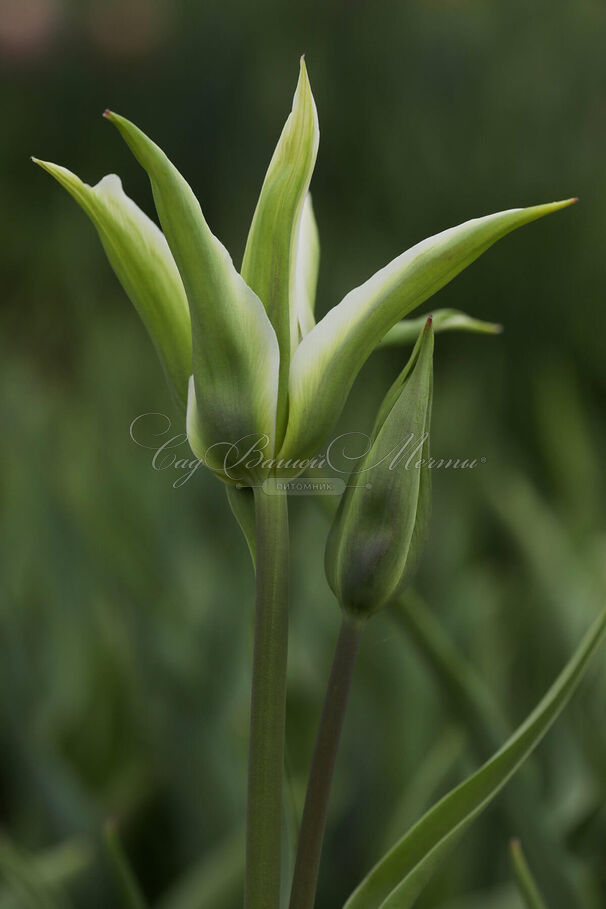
{"x":469,"y":698}
{"x":433,"y":772}
{"x":397,"y":879}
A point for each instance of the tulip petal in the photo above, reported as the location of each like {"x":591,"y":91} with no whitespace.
{"x":407,"y":331}
{"x":235,"y":350}
{"x":142,"y":261}
{"x":331,"y":355}
{"x":306,"y":270}
{"x":270,"y":255}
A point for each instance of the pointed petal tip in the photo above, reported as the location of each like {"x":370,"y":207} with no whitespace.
{"x":64,"y":176}
{"x":303,"y":75}
{"x":45,"y":165}
{"x":547,"y":208}
{"x":490,"y":328}
{"x":112,"y":116}
{"x":564,"y":203}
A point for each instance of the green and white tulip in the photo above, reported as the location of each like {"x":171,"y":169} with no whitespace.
{"x":264,"y":374}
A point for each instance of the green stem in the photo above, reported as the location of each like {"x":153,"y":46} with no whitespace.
{"x":305,"y":880}
{"x":268,"y":705}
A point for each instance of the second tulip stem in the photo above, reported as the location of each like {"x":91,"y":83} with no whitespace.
{"x":268,"y":704}
{"x":307,"y":864}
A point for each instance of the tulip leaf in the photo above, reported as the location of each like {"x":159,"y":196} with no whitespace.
{"x":144,"y":265}
{"x":397,"y":879}
{"x":469,"y":697}
{"x":235,"y":350}
{"x":269,"y":263}
{"x":406,"y":331}
{"x":331,"y":355}
{"x":430,"y":777}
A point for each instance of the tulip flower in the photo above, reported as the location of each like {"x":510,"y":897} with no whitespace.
{"x":262,"y":369}
{"x":244,"y":353}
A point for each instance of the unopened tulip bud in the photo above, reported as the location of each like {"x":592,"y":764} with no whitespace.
{"x":380,"y":527}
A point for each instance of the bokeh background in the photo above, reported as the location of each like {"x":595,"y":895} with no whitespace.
{"x":125,"y":623}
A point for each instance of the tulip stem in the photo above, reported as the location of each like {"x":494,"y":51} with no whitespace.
{"x":268,"y":704}
{"x":305,"y":880}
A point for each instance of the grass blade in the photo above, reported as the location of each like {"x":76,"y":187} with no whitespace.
{"x":397,"y":879}
{"x":433,"y":775}
{"x":128,"y":886}
{"x":524,"y":879}
{"x":470,"y":699}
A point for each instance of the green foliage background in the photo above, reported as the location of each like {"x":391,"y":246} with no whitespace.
{"x":125,"y":623}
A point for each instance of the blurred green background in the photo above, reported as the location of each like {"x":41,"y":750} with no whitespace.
{"x":125,"y":623}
